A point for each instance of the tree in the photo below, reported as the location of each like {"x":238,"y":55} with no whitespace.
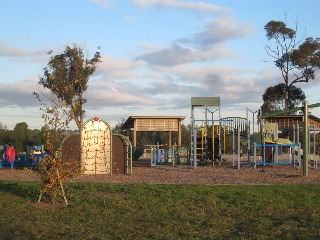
{"x":20,"y":136}
{"x":67,"y":75}
{"x":297,"y":60}
{"x":274,"y":98}
{"x":118,"y":128}
{"x":3,"y":134}
{"x":54,"y":167}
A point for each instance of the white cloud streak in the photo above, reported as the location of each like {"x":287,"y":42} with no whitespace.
{"x":200,"y":7}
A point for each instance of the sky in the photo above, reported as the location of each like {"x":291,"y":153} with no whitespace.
{"x":156,"y":54}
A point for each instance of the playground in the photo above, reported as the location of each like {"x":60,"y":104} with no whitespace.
{"x":222,"y":147}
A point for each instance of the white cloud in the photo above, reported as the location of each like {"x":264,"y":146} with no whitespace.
{"x":219,"y":30}
{"x":104,"y":3}
{"x":120,"y":64}
{"x":206,"y":45}
{"x":111,"y":93}
{"x":8,"y":51}
{"x":19,"y":93}
{"x":190,"y":6}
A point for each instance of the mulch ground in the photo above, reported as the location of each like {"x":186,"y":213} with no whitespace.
{"x":202,"y":175}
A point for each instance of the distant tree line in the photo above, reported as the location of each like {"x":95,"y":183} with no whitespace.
{"x":21,"y":136}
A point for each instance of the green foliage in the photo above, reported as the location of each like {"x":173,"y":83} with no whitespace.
{"x":67,"y":75}
{"x":274,"y":98}
{"x":146,"y":211}
{"x":298,"y":61}
{"x":21,"y":136}
{"x":137,"y":152}
{"x":5,"y":135}
{"x":53,"y":169}
{"x":277,"y":29}
{"x":118,"y":127}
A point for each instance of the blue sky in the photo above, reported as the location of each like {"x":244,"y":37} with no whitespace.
{"x":157,"y":54}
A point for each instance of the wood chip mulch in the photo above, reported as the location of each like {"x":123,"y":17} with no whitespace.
{"x":202,"y":175}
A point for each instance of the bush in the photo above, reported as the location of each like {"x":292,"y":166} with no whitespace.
{"x":137,"y":152}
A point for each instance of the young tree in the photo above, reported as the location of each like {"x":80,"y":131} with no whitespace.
{"x":54,"y":168}
{"x":67,"y":75}
{"x":274,"y":98}
{"x":297,"y":60}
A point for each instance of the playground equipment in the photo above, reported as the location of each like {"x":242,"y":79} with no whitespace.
{"x":273,"y":152}
{"x":31,"y":157}
{"x":7,"y":155}
{"x":96,"y":147}
{"x":312,"y":158}
{"x":273,"y":145}
{"x":162,"y":155}
{"x":200,"y":102}
{"x":304,"y":110}
{"x":101,"y":151}
{"x":34,"y":154}
{"x":200,"y":149}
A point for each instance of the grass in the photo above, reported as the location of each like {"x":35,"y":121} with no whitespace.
{"x":145,"y":211}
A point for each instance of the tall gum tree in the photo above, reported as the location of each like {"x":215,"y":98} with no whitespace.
{"x":298,"y":61}
{"x":66,"y":75}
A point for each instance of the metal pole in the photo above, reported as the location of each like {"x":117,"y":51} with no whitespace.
{"x":314,"y":148}
{"x":305,"y":139}
{"x":233,"y":147}
{"x":239,"y":150}
{"x":205,"y":137}
{"x":219,"y":138}
{"x":262,"y":142}
{"x":195,"y":148}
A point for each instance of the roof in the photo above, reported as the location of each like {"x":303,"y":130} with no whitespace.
{"x":297,"y":116}
{"x":129,"y":123}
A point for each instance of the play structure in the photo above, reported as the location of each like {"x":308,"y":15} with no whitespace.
{"x":207,"y":147}
{"x":97,"y":150}
{"x":34,"y":154}
{"x":272,"y":146}
{"x":7,"y":155}
{"x":162,"y":155}
{"x":305,"y":152}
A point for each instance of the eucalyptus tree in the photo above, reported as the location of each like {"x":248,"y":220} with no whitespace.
{"x":66,"y":75}
{"x":298,"y":60}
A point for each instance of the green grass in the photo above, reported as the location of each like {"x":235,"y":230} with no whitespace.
{"x":143,"y":211}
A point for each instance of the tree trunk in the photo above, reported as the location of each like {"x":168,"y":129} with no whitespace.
{"x":286,"y":99}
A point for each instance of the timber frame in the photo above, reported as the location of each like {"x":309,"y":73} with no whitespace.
{"x":154,"y":124}
{"x":294,"y":120}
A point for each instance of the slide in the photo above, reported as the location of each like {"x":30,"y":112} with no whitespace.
{"x":287,"y":141}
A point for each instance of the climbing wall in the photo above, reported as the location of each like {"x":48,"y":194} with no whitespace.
{"x":96,"y":147}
